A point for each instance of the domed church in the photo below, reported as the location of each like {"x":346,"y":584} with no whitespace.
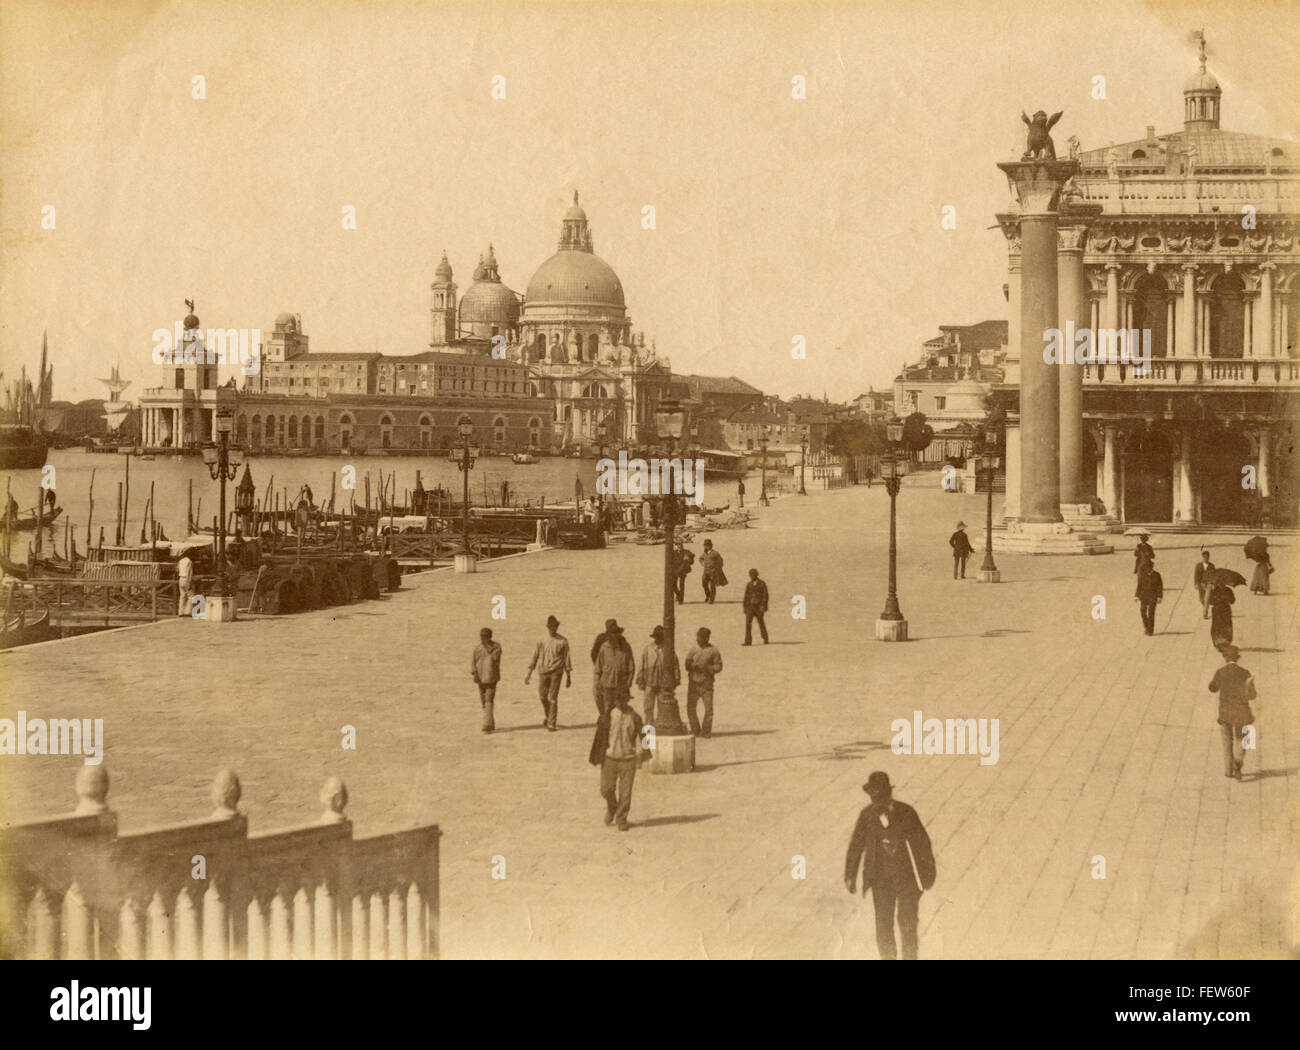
{"x":572,"y":331}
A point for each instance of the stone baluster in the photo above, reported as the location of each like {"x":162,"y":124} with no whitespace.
{"x":160,"y":932}
{"x":417,"y":946}
{"x":280,"y":940}
{"x":326,"y":933}
{"x":131,"y":924}
{"x":259,"y":932}
{"x":396,"y":923}
{"x":302,"y":924}
{"x":42,"y":926}
{"x":378,"y":925}
{"x":188,"y":939}
{"x":78,"y":925}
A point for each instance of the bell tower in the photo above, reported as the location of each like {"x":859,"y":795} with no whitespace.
{"x":442,"y":305}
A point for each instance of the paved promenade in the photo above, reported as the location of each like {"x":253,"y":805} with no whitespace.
{"x":1108,"y":745}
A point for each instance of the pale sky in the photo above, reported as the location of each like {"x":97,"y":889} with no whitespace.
{"x":775,"y":217}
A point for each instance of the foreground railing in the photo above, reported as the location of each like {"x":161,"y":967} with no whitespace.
{"x":72,"y":888}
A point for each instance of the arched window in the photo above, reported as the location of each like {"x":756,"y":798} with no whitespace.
{"x":1139,"y":154}
{"x":293,"y":430}
{"x":426,"y":431}
{"x":256,"y":436}
{"x":345,"y":431}
{"x":320,"y":430}
{"x":593,"y":346}
{"x":386,"y":430}
{"x":534,"y":432}
{"x":270,"y":430}
{"x":241,"y":428}
{"x":499,"y":431}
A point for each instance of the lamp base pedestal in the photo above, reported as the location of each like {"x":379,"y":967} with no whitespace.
{"x":891,"y":630}
{"x":220,"y":609}
{"x":466,"y":563}
{"x":672,"y":754}
{"x":990,"y":576}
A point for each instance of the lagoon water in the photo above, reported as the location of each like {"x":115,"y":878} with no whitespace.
{"x":552,"y":478}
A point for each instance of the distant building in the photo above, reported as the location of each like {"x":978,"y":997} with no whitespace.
{"x":950,"y":382}
{"x":876,"y":405}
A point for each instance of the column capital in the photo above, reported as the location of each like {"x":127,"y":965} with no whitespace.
{"x":1037,"y":184}
{"x":1189,"y":268}
{"x":1112,"y":265}
{"x":1266,"y":267}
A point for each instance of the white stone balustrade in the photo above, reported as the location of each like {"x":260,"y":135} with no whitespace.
{"x":71,"y":887}
{"x":1199,"y":372}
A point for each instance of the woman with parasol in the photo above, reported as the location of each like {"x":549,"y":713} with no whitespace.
{"x":1257,"y":551}
{"x":1221,"y":582}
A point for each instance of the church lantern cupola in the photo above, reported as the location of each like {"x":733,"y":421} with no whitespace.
{"x":1201,"y":96}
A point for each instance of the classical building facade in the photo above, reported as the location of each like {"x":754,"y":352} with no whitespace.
{"x":1188,"y":237}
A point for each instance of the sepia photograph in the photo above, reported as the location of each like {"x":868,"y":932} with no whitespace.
{"x":649,"y":481}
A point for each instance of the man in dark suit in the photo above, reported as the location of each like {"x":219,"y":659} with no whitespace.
{"x":1143,"y":552}
{"x":961,"y":550}
{"x":1236,"y":688}
{"x":893,"y":849}
{"x":755,"y":607}
{"x":1150,"y":591}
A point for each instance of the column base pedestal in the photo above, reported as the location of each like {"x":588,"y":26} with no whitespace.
{"x":990,"y":576}
{"x":891,"y":630}
{"x":1081,"y":518}
{"x":673,"y":754}
{"x":466,"y":563}
{"x":1052,"y":537}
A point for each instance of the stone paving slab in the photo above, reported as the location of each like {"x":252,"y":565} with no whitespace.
{"x":1108,"y":745}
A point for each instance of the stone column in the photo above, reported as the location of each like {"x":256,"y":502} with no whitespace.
{"x":1011,"y":500}
{"x":1110,"y":474}
{"x":1187,"y":321}
{"x":1074,"y":308}
{"x":1261,"y":471}
{"x":1038,"y":187}
{"x":1112,"y":296}
{"x":1264,"y":312}
{"x":1184,"y":503}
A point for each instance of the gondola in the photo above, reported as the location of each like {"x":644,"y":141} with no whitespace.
{"x":28,"y":521}
{"x":19,"y":632}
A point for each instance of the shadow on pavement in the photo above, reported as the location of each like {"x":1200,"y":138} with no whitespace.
{"x":1265,"y":774}
{"x":658,"y":822}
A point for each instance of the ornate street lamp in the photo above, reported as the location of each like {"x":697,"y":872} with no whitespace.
{"x":465,"y":463}
{"x":990,"y":460}
{"x":221,"y":469}
{"x":891,"y":626}
{"x":244,"y":498}
{"x":670,"y":424}
{"x":803,"y":445}
{"x":762,"y":494}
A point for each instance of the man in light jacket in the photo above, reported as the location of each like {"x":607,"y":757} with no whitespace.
{"x":703,"y":664}
{"x":656,"y":675}
{"x":485,"y":667}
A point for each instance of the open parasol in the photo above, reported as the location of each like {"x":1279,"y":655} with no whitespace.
{"x":1256,"y":548}
{"x":1226,"y":578}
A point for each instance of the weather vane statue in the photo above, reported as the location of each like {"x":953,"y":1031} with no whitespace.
{"x":1038,"y":143}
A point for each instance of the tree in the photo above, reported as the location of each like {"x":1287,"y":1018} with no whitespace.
{"x":855,"y":437}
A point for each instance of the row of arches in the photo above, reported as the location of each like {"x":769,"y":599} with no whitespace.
{"x":289,"y":431}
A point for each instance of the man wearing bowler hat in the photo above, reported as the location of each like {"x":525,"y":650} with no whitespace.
{"x":1143,"y":552}
{"x":961,"y":550}
{"x":892,"y":846}
{"x":655,"y":675}
{"x":615,"y":668}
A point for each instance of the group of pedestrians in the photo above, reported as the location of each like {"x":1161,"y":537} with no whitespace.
{"x":713,"y":576}
{"x":1233,"y":685}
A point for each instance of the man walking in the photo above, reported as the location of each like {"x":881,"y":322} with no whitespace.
{"x":1236,"y":689}
{"x":711,"y":567}
{"x":485,"y":666}
{"x":1143,"y":552}
{"x":703,"y":664}
{"x":685,"y":559}
{"x":755,"y":607}
{"x":655,"y":675}
{"x":1150,"y":591}
{"x":1202,"y":580}
{"x":617,"y":750}
{"x":551,"y":659}
{"x":615,"y":668}
{"x":185,"y":580}
{"x":897,"y":862}
{"x":961,"y":550}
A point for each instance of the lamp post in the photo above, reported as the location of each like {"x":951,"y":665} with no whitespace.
{"x":670,"y":420}
{"x":891,"y":626}
{"x":217,"y":459}
{"x":803,"y":458}
{"x":990,"y":460}
{"x":465,"y":561}
{"x":762,"y":493}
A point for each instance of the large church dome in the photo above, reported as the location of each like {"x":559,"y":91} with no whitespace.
{"x":575,"y":275}
{"x":488,"y":302}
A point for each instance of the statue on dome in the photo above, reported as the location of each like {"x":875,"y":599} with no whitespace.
{"x":1038,"y":143}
